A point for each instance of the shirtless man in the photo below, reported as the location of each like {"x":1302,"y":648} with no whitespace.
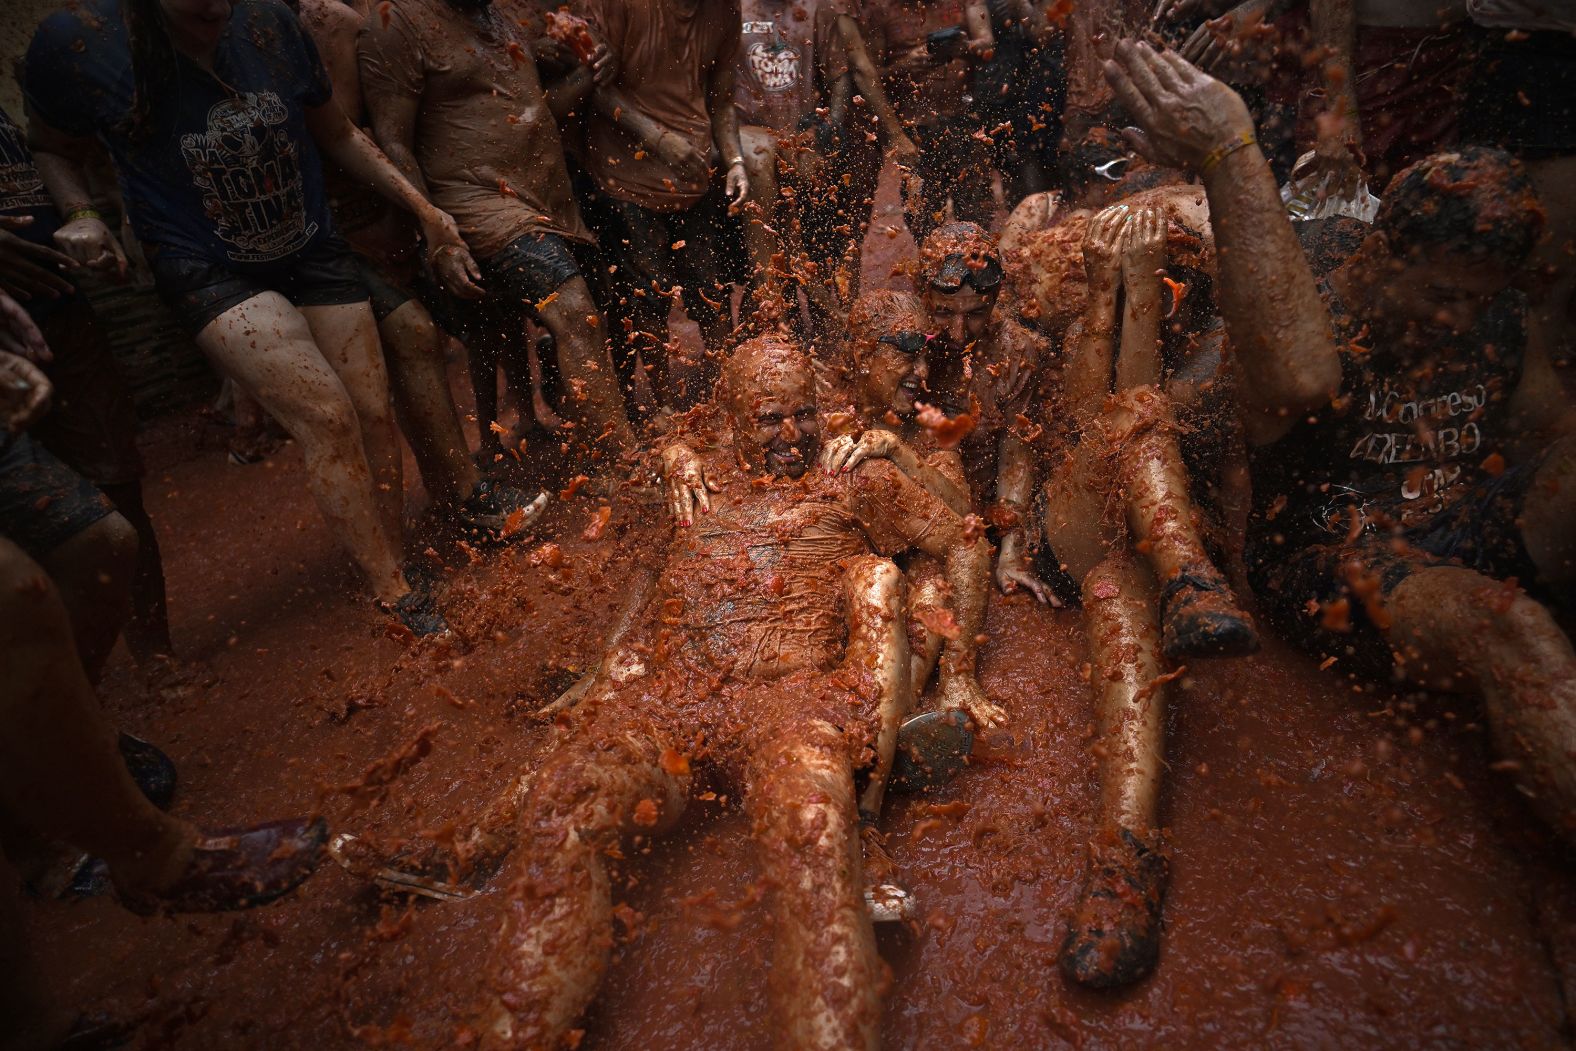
{"x":748,"y":654}
{"x":386,"y":246}
{"x":1411,"y":461}
{"x":454,"y":96}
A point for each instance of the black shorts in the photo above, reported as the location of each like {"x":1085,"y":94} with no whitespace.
{"x":199,"y":290}
{"x":43,"y":503}
{"x":530,"y":268}
{"x":698,"y":249}
{"x":1303,"y":585}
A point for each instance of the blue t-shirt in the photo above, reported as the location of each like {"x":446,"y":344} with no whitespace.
{"x":21,"y":190}
{"x":226,"y":171}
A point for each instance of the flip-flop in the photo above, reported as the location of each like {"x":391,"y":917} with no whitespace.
{"x":932,"y":749}
{"x":341,"y":848}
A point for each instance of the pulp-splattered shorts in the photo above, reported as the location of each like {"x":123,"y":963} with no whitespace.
{"x":43,"y":503}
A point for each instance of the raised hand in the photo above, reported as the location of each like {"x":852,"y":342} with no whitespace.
{"x":1230,"y":45}
{"x":1143,"y":249}
{"x":1102,"y":246}
{"x":1184,"y":117}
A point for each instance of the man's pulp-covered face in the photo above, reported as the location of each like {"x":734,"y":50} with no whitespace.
{"x":787,"y":429}
{"x":1438,"y":290}
{"x":960,"y":317}
{"x":769,"y":393}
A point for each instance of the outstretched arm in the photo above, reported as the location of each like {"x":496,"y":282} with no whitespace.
{"x":1278,"y":325}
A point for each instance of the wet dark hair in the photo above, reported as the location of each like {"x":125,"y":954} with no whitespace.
{"x":1474,"y":202}
{"x":958,"y":254}
{"x":155,"y":69}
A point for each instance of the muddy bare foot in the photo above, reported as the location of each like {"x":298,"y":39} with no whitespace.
{"x":1113,"y":936}
{"x":1199,"y":617}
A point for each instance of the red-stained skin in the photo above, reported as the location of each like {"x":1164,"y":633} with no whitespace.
{"x":1347,"y":870}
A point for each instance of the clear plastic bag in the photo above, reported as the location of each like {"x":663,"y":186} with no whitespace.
{"x":1301,"y":196}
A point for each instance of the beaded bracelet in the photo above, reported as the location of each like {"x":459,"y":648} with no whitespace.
{"x":83,"y":213}
{"x":1220,"y":153}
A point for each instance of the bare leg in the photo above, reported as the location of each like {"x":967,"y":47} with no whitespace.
{"x":591,"y":392}
{"x":1114,"y":932}
{"x":419,"y":379}
{"x":1459,"y":630}
{"x":347,"y":335}
{"x":148,"y":630}
{"x":878,"y":644}
{"x":927,"y":598}
{"x":62,"y":775}
{"x":93,"y":572}
{"x":825,"y":970}
{"x":268,"y":345}
{"x":606,"y":782}
{"x":1200,"y":614}
{"x":760,"y":164}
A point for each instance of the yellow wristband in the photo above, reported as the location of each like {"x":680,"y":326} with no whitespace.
{"x":1220,"y":153}
{"x":84,"y":213}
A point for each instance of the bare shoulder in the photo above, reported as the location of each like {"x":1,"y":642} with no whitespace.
{"x":331,"y":19}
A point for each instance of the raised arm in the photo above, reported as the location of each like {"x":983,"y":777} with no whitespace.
{"x":892,"y":505}
{"x":1092,"y":339}
{"x":1285,"y":354}
{"x":1143,"y":307}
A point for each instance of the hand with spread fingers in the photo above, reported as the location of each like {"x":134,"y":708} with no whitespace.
{"x":687,"y":484}
{"x":1233,"y":44}
{"x":1013,"y":571}
{"x":845,"y":452}
{"x":1143,"y":249}
{"x":1185,"y":118}
{"x":1103,"y":246}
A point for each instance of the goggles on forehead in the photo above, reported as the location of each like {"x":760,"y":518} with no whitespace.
{"x":910,"y":343}
{"x":955,"y":272}
{"x":1113,"y":170}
